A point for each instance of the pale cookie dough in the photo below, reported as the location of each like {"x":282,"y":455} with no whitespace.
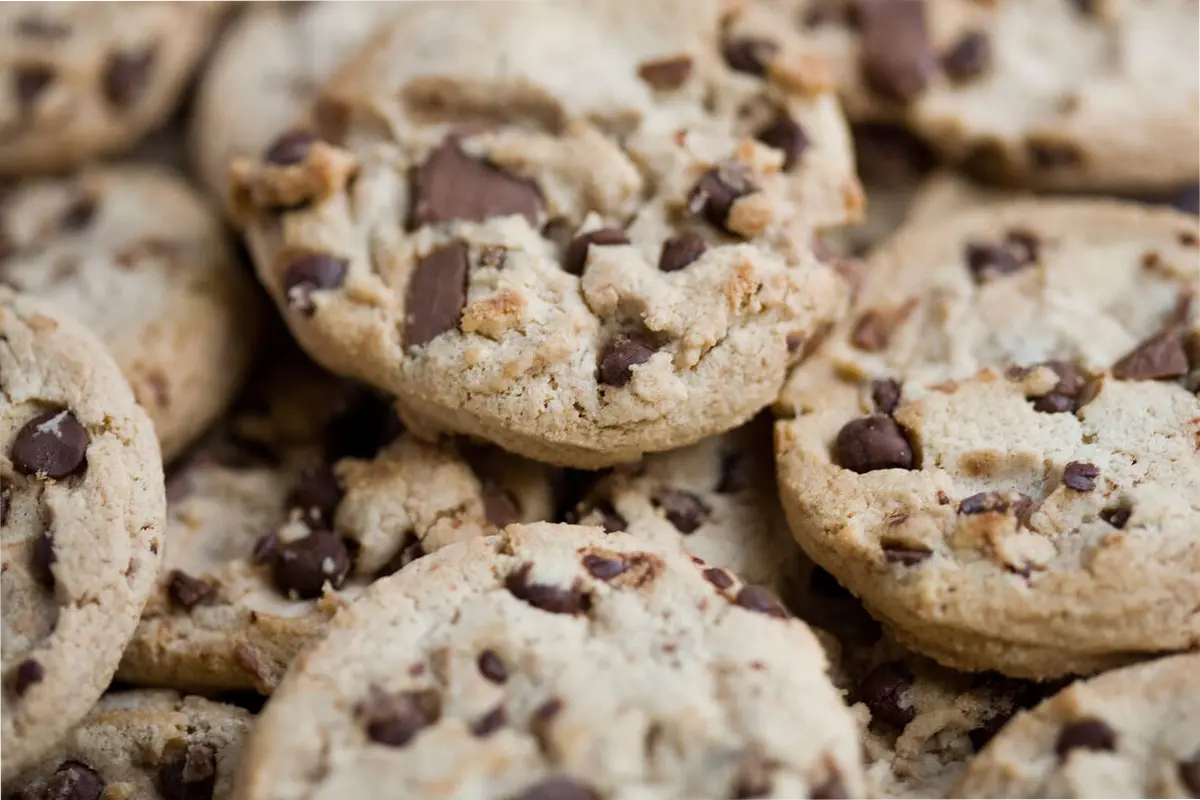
{"x":997,"y":451}
{"x":558,"y":661}
{"x":143,"y":745}
{"x":136,"y":255}
{"x":89,"y":79}
{"x":309,"y":494}
{"x":1133,"y":732}
{"x":81,"y":502}
{"x":582,"y":271}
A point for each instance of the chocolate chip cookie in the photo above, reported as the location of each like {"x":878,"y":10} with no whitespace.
{"x":81,"y":504}
{"x":558,"y":661}
{"x":143,"y":745}
{"x":578,"y":270}
{"x":996,"y":452}
{"x":135,"y":254}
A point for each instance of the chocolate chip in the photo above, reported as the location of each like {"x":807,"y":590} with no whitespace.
{"x":885,"y":393}
{"x":1081,"y":476}
{"x":1049,"y":155}
{"x":31,"y":81}
{"x":1089,"y":733}
{"x":873,"y":443}
{"x":897,"y":61}
{"x":714,"y":194}
{"x":492,"y":667}
{"x":437,"y":293}
{"x":1065,"y":395}
{"x":1189,"y":774}
{"x":186,"y":591}
{"x":79,"y":214}
{"x":28,"y":673}
{"x":1187,"y":199}
{"x":684,"y":510}
{"x":1161,"y":356}
{"x":51,"y":445}
{"x":393,"y":719}
{"x":717,"y":577}
{"x":784,"y":133}
{"x":883,"y":690}
{"x":984,"y":503}
{"x":896,"y":553}
{"x":988,"y":261}
{"x":546,"y":597}
{"x":290,"y":147}
{"x":499,"y":506}
{"x":557,"y":788}
{"x":1117,"y":517}
{"x":890,"y":155}
{"x":577,"y":251}
{"x":451,"y":185}
{"x":74,"y":780}
{"x":680,"y":251}
{"x":970,"y":57}
{"x":624,"y":352}
{"x":42,"y":560}
{"x":1025,"y":245}
{"x":303,"y":567}
{"x":749,"y":54}
{"x":126,"y":77}
{"x":490,"y":722}
{"x":757,"y":599}
{"x":191,"y":775}
{"x":266,"y":547}
{"x":735,"y":473}
{"x":548,"y":710}
{"x":666,"y":73}
{"x":602,"y":568}
{"x":314,"y":272}
{"x":317,"y":494}
{"x":874,"y":328}
{"x":832,"y":788}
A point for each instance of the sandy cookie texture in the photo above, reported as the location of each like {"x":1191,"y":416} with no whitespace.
{"x":575,"y":269}
{"x":143,"y":745}
{"x":137,"y":256}
{"x":996,"y":452}
{"x":82,"y":510}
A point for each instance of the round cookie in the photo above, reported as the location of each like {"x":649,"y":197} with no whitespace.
{"x":1133,"y":732}
{"x":996,"y":452}
{"x":143,"y":745}
{"x":135,"y":254}
{"x":582,"y":269}
{"x":309,"y":494}
{"x":89,"y":79}
{"x":558,"y":661}
{"x":82,"y":509}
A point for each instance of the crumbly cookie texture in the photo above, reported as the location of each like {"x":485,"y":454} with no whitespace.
{"x":89,"y":79}
{"x":136,"y":255}
{"x":1133,"y":732}
{"x":311,"y":493}
{"x":82,"y":510}
{"x":143,"y":745}
{"x":578,"y":270}
{"x":996,"y":452}
{"x":558,"y":661}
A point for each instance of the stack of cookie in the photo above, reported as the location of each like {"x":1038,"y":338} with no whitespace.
{"x":611,"y":399}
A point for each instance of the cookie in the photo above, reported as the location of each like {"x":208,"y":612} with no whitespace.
{"x":1133,"y":732}
{"x":135,"y":253}
{"x":310,"y":493}
{"x":996,"y":452}
{"x":558,"y":661}
{"x":82,"y":510}
{"x":143,"y":745}
{"x":90,"y":79}
{"x":582,"y":269}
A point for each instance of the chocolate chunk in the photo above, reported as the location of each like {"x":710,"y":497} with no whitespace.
{"x":735,"y":473}
{"x":1161,"y":356}
{"x":988,"y":261}
{"x":314,"y":272}
{"x":546,"y":597}
{"x":304,"y":566}
{"x":73,"y":780}
{"x":666,"y":73}
{"x":557,"y":788}
{"x":749,"y":54}
{"x":499,"y":506}
{"x":28,"y":673}
{"x":717,"y":190}
{"x":890,"y":155}
{"x":873,"y":443}
{"x":623,"y":353}
{"x":451,"y":185}
{"x":1089,"y":733}
{"x":190,"y":775}
{"x":290,"y":147}
{"x":1065,"y":395}
{"x":832,"y":788}
{"x":317,"y":494}
{"x":42,"y":560}
{"x":895,"y":553}
{"x":79,"y":214}
{"x":1117,"y":517}
{"x":757,"y":599}
{"x":577,"y":251}
{"x":437,"y":293}
{"x":718,"y":577}
{"x":874,"y":328}
{"x":984,"y":503}
{"x":1189,"y":774}
{"x":186,"y":591}
{"x":51,"y":445}
{"x":1050,"y":155}
{"x":266,"y":547}
{"x":393,"y":719}
{"x":602,"y":568}
{"x":784,"y":133}
{"x":1081,"y":476}
{"x":897,"y":60}
{"x":684,"y":510}
{"x":883,"y":690}
{"x":492,"y":667}
{"x":126,"y":77}
{"x":970,"y":57}
{"x":31,"y":81}
{"x":680,"y":251}
{"x":886,"y":395}
{"x":490,"y":722}
{"x":1187,"y":199}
